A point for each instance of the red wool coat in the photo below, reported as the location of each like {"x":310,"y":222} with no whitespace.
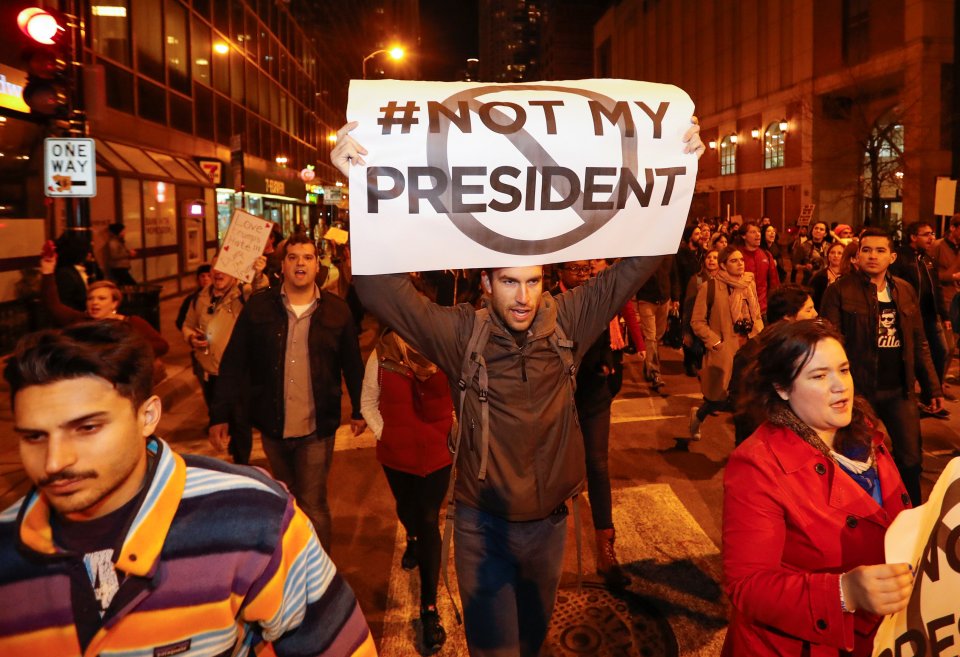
{"x":793,"y":521}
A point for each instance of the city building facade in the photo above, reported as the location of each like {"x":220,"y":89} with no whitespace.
{"x":846,"y":106}
{"x":198,"y":108}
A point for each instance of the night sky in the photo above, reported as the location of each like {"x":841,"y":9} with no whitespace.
{"x":448,"y":36}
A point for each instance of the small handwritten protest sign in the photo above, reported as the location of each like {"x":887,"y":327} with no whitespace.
{"x":469,"y":175}
{"x":929,"y":538}
{"x":337,"y":235}
{"x":244,"y":242}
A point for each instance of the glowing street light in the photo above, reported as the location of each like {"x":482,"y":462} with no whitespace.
{"x":221,"y":48}
{"x":396,"y":53}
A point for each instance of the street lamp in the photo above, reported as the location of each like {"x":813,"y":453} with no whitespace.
{"x":396,"y":53}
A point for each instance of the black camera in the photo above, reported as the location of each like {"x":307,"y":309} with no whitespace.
{"x":743,"y":326}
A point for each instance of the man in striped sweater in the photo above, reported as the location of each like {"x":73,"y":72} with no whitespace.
{"x":123,"y":546}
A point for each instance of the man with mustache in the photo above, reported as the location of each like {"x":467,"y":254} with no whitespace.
{"x":521,"y":454}
{"x":124,"y":546}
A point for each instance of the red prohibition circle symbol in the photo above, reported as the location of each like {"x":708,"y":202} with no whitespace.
{"x":470,"y":226}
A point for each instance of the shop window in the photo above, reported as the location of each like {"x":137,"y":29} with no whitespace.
{"x":728,"y":156}
{"x":178,"y":64}
{"x":130,"y":209}
{"x":147,"y":19}
{"x":201,"y":55}
{"x":151,"y":101}
{"x":110,"y":30}
{"x":159,"y":213}
{"x":773,"y":146}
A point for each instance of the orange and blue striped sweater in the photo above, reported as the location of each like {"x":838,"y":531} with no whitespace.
{"x":216,"y":561}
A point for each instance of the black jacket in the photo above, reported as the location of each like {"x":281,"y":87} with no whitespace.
{"x":595,"y":389}
{"x":919,"y":269}
{"x":255,"y":357}
{"x":851,"y":305}
{"x":664,"y":285}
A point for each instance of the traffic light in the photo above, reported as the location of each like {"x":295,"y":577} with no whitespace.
{"x":47,"y":58}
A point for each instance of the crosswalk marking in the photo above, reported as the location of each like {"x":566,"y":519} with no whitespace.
{"x":655,"y":534}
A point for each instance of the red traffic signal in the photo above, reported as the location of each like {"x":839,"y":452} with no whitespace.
{"x":47,"y":58}
{"x":40,"y":25}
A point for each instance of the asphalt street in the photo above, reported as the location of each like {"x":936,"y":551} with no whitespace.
{"x":667,"y":506}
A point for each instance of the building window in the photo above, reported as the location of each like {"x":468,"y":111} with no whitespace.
{"x":110,"y":30}
{"x":148,"y":35}
{"x":856,"y":31}
{"x":201,"y":55}
{"x":728,"y":156}
{"x":178,"y":65}
{"x":773,"y":146}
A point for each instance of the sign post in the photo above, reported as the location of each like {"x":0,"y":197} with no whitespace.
{"x":69,"y":168}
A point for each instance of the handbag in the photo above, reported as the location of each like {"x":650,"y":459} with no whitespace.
{"x":673,"y":337}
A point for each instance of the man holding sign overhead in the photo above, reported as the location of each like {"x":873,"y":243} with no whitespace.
{"x":506,"y":177}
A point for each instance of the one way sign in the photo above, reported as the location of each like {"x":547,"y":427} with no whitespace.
{"x":69,"y":167}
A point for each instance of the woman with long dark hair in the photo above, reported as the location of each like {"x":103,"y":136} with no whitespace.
{"x":807,"y":500}
{"x":828,"y":274}
{"x":725,"y":315}
{"x":769,"y":242}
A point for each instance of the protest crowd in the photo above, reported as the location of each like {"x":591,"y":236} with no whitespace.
{"x":489,"y":394}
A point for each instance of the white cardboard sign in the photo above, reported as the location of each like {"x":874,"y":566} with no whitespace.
{"x":471,"y":175}
{"x":928,"y":537}
{"x":242,"y":245}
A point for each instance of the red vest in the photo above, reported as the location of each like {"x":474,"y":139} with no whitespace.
{"x":417,"y":416}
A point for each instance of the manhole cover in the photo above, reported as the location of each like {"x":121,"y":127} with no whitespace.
{"x":595,"y":622}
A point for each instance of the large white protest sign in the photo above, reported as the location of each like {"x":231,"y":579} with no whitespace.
{"x":471,"y":175}
{"x":242,"y":245}
{"x":927,"y":537}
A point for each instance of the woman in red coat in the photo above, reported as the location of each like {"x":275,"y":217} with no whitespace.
{"x":406,"y":403}
{"x":807,"y":499}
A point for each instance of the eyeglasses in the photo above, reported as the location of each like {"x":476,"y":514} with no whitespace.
{"x":579,"y":269}
{"x":926,"y":234}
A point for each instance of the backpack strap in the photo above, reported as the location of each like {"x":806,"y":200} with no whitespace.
{"x":472,"y":363}
{"x":563,"y":346}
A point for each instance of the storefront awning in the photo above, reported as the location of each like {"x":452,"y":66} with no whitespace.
{"x":126,"y":160}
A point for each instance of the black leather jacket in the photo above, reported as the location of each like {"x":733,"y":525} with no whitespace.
{"x":852,"y":307}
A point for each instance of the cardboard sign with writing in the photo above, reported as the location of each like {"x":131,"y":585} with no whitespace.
{"x":928,"y":537}
{"x":472,"y":174}
{"x":337,"y":235}
{"x":242,"y":245}
{"x":806,"y":213}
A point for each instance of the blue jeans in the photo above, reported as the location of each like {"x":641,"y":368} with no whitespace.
{"x":508,"y":573}
{"x":303,"y":464}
